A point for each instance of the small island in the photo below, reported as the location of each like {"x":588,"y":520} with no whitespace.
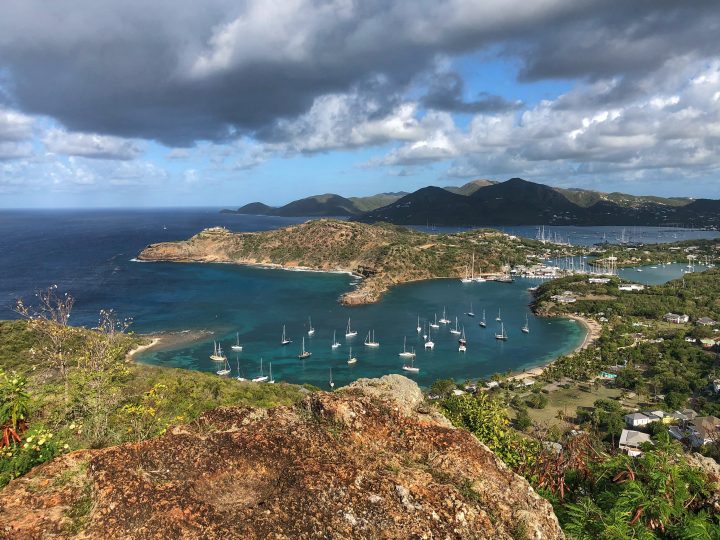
{"x":383,"y":255}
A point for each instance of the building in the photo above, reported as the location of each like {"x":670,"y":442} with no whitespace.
{"x":607,"y":376}
{"x":630,"y":442}
{"x":675,"y":318}
{"x":636,"y":420}
{"x":704,"y":430}
{"x":716,"y":386}
{"x":631,"y":287}
{"x":660,"y":416}
{"x":708,"y":343}
{"x":705,"y":321}
{"x":602,"y":280}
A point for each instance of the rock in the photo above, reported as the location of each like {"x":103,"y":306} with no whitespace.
{"x":359,"y":463}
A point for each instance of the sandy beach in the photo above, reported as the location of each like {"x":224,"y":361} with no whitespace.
{"x":168,"y":340}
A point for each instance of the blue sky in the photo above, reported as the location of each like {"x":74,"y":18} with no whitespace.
{"x":228,"y":103}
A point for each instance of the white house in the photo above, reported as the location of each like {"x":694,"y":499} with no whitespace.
{"x":631,"y":287}
{"x":630,"y":442}
{"x":637,"y":419}
{"x":598,"y":280}
{"x":675,"y":318}
{"x":704,"y":430}
{"x":716,"y":386}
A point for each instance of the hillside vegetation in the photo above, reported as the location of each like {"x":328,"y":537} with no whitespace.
{"x":384,"y":254}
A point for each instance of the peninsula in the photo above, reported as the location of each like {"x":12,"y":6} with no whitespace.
{"x":384,"y":255}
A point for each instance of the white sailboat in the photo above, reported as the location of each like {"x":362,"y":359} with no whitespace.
{"x":262,"y":377}
{"x":225,"y":370}
{"x":498,"y":318}
{"x":462,"y":340}
{"x":284,"y":340}
{"x":411,"y":367}
{"x":351,"y":358}
{"x":502,"y":335}
{"x":405,"y":353}
{"x":462,"y":347}
{"x":311,"y":330}
{"x":455,"y":330}
{"x":526,"y":328}
{"x":349,"y":332}
{"x":335,"y":343}
{"x":435,"y":324}
{"x":418,"y":325}
{"x":467,"y":278}
{"x":217,"y":355}
{"x":370,"y":342}
{"x":483,"y":322}
{"x":331,"y":382}
{"x":237,"y":346}
{"x":429,"y":344}
{"x":444,"y":319}
{"x":239,"y":375}
{"x":470,"y":313}
{"x":303,"y":353}
{"x":271,"y":380}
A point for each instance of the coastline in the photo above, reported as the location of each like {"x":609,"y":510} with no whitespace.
{"x":166,"y":340}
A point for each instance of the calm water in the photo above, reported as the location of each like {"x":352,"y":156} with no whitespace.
{"x":89,"y":253}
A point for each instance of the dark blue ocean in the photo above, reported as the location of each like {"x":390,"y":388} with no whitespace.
{"x":89,"y":253}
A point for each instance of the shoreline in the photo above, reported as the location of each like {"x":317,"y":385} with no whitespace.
{"x":166,"y":340}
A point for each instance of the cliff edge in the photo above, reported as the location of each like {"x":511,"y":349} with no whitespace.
{"x":362,"y":462}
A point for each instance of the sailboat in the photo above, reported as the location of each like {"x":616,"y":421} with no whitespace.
{"x":303,"y":353}
{"x":335,"y":343}
{"x":351,"y":358}
{"x":225,"y":370}
{"x":371,"y":342}
{"x":467,"y":278}
{"x":411,"y":366}
{"x":502,"y":335}
{"x":429,"y":344}
{"x":405,"y":353}
{"x":271,"y":380}
{"x":284,"y":340}
{"x":262,"y":377}
{"x":237,"y":346}
{"x":349,"y":332}
{"x":470,"y":313}
{"x":444,"y":319}
{"x":455,"y":330}
{"x":462,"y":340}
{"x":311,"y":330}
{"x":526,"y":328}
{"x":331,"y":382}
{"x":239,"y":375}
{"x":217,"y":354}
{"x":435,"y":324}
{"x":483,"y":323}
{"x":498,"y":318}
{"x":418,"y":326}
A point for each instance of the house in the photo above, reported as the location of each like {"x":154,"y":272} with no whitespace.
{"x":676,"y":432}
{"x":716,"y":386}
{"x":708,"y":343}
{"x":637,"y":419}
{"x":491,"y":384}
{"x":705,"y":321}
{"x":630,"y":442}
{"x":688,"y":413}
{"x":607,"y":376}
{"x":675,"y":318}
{"x":564,"y":298}
{"x":660,"y":416}
{"x":704,"y":430}
{"x":598,"y":280}
{"x":631,"y":287}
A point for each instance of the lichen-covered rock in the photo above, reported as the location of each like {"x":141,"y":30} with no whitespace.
{"x":353,"y":464}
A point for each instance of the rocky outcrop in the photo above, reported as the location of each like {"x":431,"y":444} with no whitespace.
{"x":357,"y":463}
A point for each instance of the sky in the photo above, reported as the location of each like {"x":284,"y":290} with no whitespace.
{"x":224,"y":102}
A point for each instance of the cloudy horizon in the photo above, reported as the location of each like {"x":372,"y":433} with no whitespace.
{"x":111,"y":103}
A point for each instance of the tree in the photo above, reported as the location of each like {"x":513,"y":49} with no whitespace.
{"x":443,"y":387}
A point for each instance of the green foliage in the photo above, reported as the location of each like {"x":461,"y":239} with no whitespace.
{"x":443,"y":387}
{"x":14,"y":400}
{"x":38,"y":446}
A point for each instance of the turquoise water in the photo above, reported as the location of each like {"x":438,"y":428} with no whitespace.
{"x":657,"y":274}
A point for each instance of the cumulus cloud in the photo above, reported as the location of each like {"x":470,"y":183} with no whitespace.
{"x":15,"y":133}
{"x":90,"y":145}
{"x":446,"y":93}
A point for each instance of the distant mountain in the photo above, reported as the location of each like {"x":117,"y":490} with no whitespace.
{"x":327,"y":205}
{"x":519,"y":202}
{"x":470,"y":187}
{"x":367,"y":204}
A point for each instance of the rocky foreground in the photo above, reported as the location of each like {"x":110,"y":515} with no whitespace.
{"x":363,"y":462}
{"x":384,"y":255}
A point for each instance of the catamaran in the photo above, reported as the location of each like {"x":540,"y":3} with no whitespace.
{"x":303,"y":353}
{"x":349,"y":332}
{"x":498,"y":318}
{"x":311,"y":330}
{"x":483,"y":323}
{"x":526,"y":328}
{"x":237,"y":346}
{"x":271,"y":380}
{"x":217,"y":354}
{"x":444,"y":319}
{"x":455,"y":330}
{"x":335,"y":343}
{"x":284,"y":340}
{"x":435,"y":324}
{"x":370,"y":342}
{"x":331,"y":382}
{"x":351,"y":358}
{"x":262,"y":377}
{"x":418,"y":326}
{"x":239,"y":375}
{"x":405,"y":353}
{"x":502,"y":335}
{"x":462,"y":340}
{"x":225,"y":370}
{"x":470,"y":313}
{"x":410,"y":367}
{"x":428,"y":342}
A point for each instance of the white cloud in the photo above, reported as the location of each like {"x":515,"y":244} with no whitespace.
{"x":90,"y":145}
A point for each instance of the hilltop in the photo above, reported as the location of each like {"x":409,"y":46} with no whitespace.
{"x":363,"y":462}
{"x":383,"y":254}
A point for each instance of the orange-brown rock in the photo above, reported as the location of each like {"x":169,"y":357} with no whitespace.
{"x":358,"y":463}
